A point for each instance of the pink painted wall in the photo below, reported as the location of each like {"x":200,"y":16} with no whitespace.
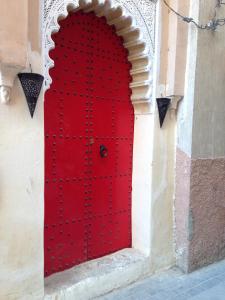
{"x":183,"y":173}
{"x":199,"y":211}
{"x":207,"y":204}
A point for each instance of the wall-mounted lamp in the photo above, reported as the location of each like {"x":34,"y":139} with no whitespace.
{"x":163,"y":105}
{"x":31,"y":84}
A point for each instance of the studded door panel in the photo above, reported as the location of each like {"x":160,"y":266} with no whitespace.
{"x":88,"y":144}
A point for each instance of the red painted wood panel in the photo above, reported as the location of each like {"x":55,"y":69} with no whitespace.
{"x":87,"y":197}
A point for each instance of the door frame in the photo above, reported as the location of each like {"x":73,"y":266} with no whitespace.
{"x":142,"y":89}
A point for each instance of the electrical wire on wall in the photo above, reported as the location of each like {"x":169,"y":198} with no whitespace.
{"x":213,"y":24}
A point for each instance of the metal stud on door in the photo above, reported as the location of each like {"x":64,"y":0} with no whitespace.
{"x":88,"y":144}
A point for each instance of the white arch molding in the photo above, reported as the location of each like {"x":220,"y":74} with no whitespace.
{"x":130,"y":24}
{"x":134,"y":21}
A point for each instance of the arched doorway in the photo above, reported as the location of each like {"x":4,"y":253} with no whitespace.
{"x":89,"y":123}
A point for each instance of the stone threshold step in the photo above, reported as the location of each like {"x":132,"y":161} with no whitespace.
{"x":97,"y":277}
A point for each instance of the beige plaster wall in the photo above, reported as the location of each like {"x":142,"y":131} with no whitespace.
{"x":209,"y":105}
{"x":163,"y":152}
{"x":21,"y":162}
{"x":186,"y":107}
{"x":163,"y":179}
{"x":13,"y":31}
{"x":181,"y":49}
{"x":163,"y":32}
{"x":173,"y":36}
{"x":173,"y":49}
{"x":204,"y":89}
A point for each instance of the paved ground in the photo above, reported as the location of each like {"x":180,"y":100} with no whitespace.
{"x":205,"y":284}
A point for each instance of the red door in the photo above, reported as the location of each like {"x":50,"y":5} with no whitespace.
{"x":89,"y":124}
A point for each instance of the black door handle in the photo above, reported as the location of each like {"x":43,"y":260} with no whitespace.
{"x":103,"y":151}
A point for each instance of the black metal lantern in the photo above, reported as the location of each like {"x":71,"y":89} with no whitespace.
{"x":163,"y":105}
{"x":31,"y":84}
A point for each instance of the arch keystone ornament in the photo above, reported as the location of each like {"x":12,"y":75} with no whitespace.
{"x":117,"y":14}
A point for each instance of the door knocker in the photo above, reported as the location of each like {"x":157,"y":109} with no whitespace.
{"x":103,"y":151}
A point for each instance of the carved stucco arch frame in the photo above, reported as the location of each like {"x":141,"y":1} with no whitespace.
{"x":138,"y":33}
{"x":140,"y":46}
{"x":140,"y":50}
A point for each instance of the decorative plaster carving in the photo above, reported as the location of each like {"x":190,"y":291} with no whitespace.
{"x":174,"y":104}
{"x":7,"y":76}
{"x":175,"y":99}
{"x":5,"y":94}
{"x":134,"y":21}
